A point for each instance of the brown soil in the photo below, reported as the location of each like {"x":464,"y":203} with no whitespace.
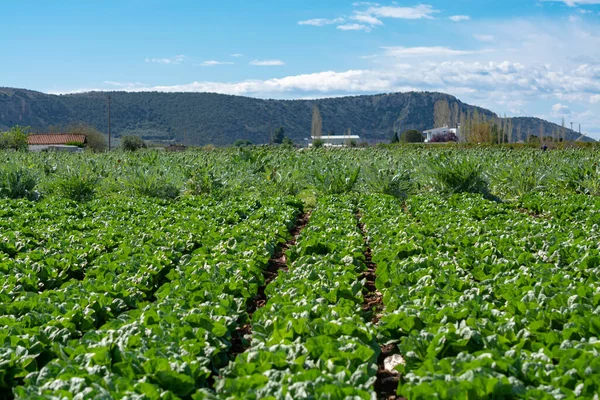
{"x":387,"y":382}
{"x":373,"y":302}
{"x":278,"y":262}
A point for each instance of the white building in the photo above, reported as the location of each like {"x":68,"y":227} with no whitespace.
{"x":336,"y":140}
{"x":56,"y":141}
{"x":429,"y":134}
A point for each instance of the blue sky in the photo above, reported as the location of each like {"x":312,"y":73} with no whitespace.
{"x":526,"y":57}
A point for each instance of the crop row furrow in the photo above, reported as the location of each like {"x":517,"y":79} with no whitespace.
{"x":311,"y":340}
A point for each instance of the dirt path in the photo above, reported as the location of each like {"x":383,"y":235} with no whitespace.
{"x":386,"y":384}
{"x":278,"y":262}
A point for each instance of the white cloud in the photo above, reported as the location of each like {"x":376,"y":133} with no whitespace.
{"x":435,"y":51}
{"x":484,"y":38}
{"x":236,"y":55}
{"x":354,"y":27}
{"x":212,"y":63}
{"x":364,"y":3}
{"x":575,"y":3}
{"x":366,"y":19}
{"x":458,"y":18}
{"x":173,"y":60}
{"x":321,"y":21}
{"x":125,"y":84}
{"x":595,"y":99}
{"x":267,"y":63}
{"x":560,"y":109}
{"x":422,"y":11}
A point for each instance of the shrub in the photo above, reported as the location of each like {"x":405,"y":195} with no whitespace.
{"x":151,"y":183}
{"x":388,"y":181}
{"x":77,"y":184}
{"x":449,"y":174}
{"x":318,"y":143}
{"x":15,"y":138}
{"x":287,"y":142}
{"x":132,"y":143}
{"x":444,"y":138}
{"x":96,"y":140}
{"x":242,"y":143}
{"x":18,"y":182}
{"x":411,"y":136}
{"x":335,"y":178}
{"x":201,"y":181}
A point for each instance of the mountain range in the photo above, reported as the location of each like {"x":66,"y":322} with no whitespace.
{"x":203,"y":118}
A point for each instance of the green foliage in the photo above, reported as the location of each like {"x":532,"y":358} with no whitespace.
{"x":129,"y":295}
{"x":318,"y":143}
{"x":78,"y":184}
{"x":287,"y":142}
{"x":15,"y":138}
{"x":152,"y":182}
{"x":454,"y":173}
{"x":96,"y":140}
{"x":18,"y":182}
{"x":242,"y":143}
{"x":398,"y":184}
{"x":335,"y":178}
{"x":201,"y":181}
{"x":132,"y":143}
{"x":395,"y":138}
{"x":411,"y":136}
{"x":279,"y":135}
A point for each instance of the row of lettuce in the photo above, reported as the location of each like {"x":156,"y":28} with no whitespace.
{"x":142,"y":298}
{"x":310,"y":340}
{"x":135,"y":299}
{"x":485,"y":300}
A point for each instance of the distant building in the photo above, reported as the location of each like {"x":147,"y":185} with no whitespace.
{"x":56,"y":141}
{"x":429,"y":134}
{"x":336,"y":140}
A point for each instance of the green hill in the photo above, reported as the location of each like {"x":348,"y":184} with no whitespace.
{"x":203,"y":118}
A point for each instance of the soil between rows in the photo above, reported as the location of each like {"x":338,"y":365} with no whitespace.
{"x":278,"y":262}
{"x":386,"y":384}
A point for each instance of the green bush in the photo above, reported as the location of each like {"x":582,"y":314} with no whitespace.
{"x":77,"y":184}
{"x":411,"y":136}
{"x":15,"y":138}
{"x":132,"y":143}
{"x":151,"y":183}
{"x":335,"y":178}
{"x":18,"y":182}
{"x":389,"y":181}
{"x":454,"y":173}
{"x":318,"y":143}
{"x":242,"y":143}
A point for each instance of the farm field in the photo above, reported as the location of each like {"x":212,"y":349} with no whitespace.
{"x":391,"y":272}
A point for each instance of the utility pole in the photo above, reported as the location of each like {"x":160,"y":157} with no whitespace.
{"x":571,"y":127}
{"x":109,"y":146}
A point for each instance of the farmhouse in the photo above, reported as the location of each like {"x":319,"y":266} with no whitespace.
{"x":440,"y":131}
{"x":336,"y":140}
{"x":56,"y":141}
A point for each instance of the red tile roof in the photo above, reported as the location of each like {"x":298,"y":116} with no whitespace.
{"x":55,"y":138}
